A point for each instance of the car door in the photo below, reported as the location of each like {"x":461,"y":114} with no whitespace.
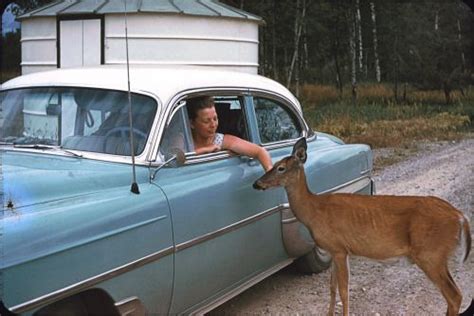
{"x":225,"y":232}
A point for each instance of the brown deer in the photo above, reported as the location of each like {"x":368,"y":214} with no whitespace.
{"x":427,"y":230}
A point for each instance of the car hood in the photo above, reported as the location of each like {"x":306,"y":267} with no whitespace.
{"x":30,"y":179}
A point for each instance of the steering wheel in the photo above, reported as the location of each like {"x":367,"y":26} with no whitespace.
{"x":124,"y":133}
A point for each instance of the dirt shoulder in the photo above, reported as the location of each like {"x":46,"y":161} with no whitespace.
{"x":444,"y":169}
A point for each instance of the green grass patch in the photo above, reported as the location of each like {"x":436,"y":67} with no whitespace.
{"x":387,"y":124}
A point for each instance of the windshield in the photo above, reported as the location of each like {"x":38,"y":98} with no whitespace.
{"x":75,"y":118}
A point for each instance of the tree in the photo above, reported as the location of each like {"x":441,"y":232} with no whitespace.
{"x":373,"y":16}
{"x":10,"y":48}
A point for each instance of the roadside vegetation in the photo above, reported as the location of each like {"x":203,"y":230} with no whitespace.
{"x":378,"y":120}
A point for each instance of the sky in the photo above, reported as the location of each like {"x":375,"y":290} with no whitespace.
{"x":8,"y":22}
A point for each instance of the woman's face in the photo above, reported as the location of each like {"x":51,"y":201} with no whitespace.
{"x":205,"y":123}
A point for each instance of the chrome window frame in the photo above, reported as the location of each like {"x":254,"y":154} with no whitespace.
{"x":171,"y":108}
{"x":192,"y":158}
{"x":287,"y":104}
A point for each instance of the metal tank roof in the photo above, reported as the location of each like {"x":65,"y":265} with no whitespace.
{"x":209,"y":8}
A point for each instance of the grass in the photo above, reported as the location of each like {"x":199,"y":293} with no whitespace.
{"x":380,"y":122}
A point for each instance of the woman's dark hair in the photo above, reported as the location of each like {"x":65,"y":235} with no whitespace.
{"x":198,"y":103}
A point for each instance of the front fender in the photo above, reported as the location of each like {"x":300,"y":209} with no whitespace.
{"x":56,"y":249}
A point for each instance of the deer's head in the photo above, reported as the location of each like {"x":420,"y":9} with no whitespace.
{"x":286,"y":170}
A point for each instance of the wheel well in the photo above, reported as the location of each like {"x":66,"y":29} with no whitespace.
{"x":91,"y":302}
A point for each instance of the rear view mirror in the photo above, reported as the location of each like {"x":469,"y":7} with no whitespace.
{"x":53,"y":109}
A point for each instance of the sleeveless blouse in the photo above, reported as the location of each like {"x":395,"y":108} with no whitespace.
{"x":218,"y":139}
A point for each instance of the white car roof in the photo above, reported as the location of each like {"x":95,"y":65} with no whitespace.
{"x":162,"y":81}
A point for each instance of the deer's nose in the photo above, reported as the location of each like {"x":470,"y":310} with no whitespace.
{"x":258,"y":186}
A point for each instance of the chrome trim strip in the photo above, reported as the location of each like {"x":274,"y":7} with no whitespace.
{"x":227,"y":229}
{"x":131,"y":306}
{"x":90,"y":239}
{"x":358,"y":184}
{"x":289,"y":220}
{"x":194,"y":159}
{"x":80,"y":286}
{"x":239,"y":289}
{"x":362,"y":182}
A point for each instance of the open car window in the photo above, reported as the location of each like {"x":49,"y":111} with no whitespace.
{"x":76,"y":118}
{"x":275,"y":121}
{"x":231,"y":116}
{"x":178,"y":132}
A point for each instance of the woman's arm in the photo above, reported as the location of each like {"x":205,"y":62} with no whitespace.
{"x":207,"y":149}
{"x":243,"y":147}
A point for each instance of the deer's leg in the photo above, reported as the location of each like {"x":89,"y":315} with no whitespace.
{"x":342,"y":272}
{"x":333,"y":289}
{"x":439,"y":274}
{"x":455,"y":293}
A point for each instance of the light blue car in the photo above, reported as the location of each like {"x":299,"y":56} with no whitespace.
{"x":75,"y":238}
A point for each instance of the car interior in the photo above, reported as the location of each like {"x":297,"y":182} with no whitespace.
{"x":231,"y":117}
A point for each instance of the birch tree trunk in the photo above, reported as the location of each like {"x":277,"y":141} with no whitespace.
{"x":305,"y":48}
{"x":300,"y":15}
{"x":359,"y":37}
{"x":262,"y":48}
{"x":336,"y":62}
{"x":274,"y":58}
{"x":374,"y":36}
{"x":353,"y":53}
{"x":397,"y":68}
{"x":297,"y":76}
{"x":463,"y":58}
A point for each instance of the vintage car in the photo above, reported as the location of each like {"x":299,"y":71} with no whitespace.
{"x":76,"y":238}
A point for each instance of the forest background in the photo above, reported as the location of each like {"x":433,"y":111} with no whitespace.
{"x":386,"y":73}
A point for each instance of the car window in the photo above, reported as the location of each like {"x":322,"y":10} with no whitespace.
{"x":178,"y":132}
{"x":275,"y":121}
{"x":231,"y":116}
{"x":77,"y":118}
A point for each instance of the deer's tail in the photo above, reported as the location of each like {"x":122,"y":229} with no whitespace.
{"x":468,"y":238}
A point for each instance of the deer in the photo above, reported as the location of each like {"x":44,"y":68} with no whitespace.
{"x":424,"y":229}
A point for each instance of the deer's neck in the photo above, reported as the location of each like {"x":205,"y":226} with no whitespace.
{"x":302,"y":201}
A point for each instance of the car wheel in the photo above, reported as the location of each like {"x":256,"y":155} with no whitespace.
{"x":315,"y":261}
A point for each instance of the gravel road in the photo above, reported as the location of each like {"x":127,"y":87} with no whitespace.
{"x":444,"y":169}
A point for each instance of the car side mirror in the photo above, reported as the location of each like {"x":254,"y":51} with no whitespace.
{"x":180,"y":157}
{"x":176,"y":157}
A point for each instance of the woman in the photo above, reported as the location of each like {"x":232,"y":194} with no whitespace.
{"x":204,"y":122}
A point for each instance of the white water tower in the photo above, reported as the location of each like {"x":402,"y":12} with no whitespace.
{"x":74,"y":33}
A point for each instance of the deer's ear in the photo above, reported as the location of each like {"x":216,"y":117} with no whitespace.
{"x":299,"y":150}
{"x":300,"y":154}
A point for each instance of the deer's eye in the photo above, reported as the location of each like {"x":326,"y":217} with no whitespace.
{"x":281,"y":169}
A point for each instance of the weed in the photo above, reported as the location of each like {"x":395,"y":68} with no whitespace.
{"x":380,"y":122}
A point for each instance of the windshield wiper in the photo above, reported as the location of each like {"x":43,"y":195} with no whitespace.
{"x":34,"y":146}
{"x":46,"y":147}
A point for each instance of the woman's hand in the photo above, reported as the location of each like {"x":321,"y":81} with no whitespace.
{"x":243,"y":147}
{"x":208,"y":149}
